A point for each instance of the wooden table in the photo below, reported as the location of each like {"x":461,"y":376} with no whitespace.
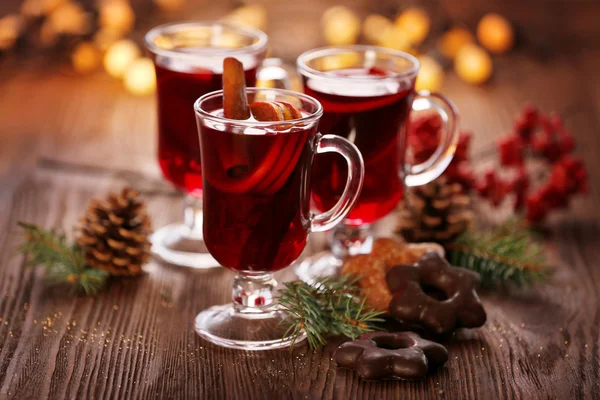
{"x":135,"y":340}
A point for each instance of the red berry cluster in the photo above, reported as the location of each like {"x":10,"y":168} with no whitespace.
{"x":534,"y":135}
{"x":425,"y":133}
{"x":567,"y":178}
{"x":544,"y":136}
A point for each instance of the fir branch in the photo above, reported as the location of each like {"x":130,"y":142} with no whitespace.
{"x":63,"y":262}
{"x":329,"y":306}
{"x":507,"y":253}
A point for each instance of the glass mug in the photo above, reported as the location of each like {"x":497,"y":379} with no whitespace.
{"x":188,"y":59}
{"x":257,"y":186}
{"x":367,"y":94}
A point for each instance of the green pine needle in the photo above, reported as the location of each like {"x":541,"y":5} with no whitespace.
{"x":507,"y":253}
{"x":63,"y":262}
{"x":329,"y":306}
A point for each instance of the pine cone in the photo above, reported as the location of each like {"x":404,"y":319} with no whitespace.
{"x":114,"y":233}
{"x":438,"y":211}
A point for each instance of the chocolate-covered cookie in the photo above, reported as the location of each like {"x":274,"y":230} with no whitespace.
{"x":435,"y":295}
{"x":391,"y":355}
{"x":371,"y":268}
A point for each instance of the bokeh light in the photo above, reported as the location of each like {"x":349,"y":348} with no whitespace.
{"x":116,"y":15}
{"x":495,"y":33}
{"x":431,"y":75}
{"x":36,"y":8}
{"x":473,"y":64}
{"x":415,"y":23}
{"x":119,"y":57}
{"x":340,"y":26}
{"x":86,"y":58}
{"x":140,"y":78}
{"x":253,"y":15}
{"x":396,"y":39}
{"x":10,"y":27}
{"x":70,"y":18}
{"x":375,"y":27}
{"x":450,"y":42}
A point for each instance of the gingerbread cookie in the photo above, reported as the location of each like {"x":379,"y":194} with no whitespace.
{"x":434,"y":295}
{"x":385,"y":355}
{"x":373,"y":267}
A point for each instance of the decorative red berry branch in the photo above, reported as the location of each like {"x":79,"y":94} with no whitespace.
{"x":535,"y":135}
{"x":423,"y":137}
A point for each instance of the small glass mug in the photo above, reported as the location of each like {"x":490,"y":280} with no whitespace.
{"x":256,"y":195}
{"x":188,"y":58}
{"x":367,"y":94}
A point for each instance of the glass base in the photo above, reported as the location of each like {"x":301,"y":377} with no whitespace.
{"x":344,"y":241}
{"x":318,"y":266}
{"x":224,"y":326}
{"x":176,"y":245}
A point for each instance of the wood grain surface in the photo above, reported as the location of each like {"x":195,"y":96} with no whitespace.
{"x":136,"y":340}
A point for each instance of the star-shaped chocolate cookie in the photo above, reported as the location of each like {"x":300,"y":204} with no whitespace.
{"x":435,"y":296}
{"x":391,"y":355}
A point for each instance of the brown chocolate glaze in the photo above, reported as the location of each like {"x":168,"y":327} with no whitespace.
{"x":435,"y":295}
{"x":391,"y":355}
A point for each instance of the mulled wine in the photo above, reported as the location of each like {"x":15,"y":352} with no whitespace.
{"x":367,"y":93}
{"x":255,"y":187}
{"x":256,"y":165}
{"x":188,"y":58}
{"x":178,"y":145}
{"x":375,"y":121}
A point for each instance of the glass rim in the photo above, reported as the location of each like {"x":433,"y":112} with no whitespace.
{"x":259,"y":45}
{"x":219,"y":93}
{"x":304,"y":69}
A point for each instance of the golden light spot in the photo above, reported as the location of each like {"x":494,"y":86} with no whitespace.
{"x":117,"y":15}
{"x":453,"y":40}
{"x":140,"y":79}
{"x":495,"y":33}
{"x":375,"y":26}
{"x":473,"y":64}
{"x":10,"y":28}
{"x":252,"y":15}
{"x":340,"y":25}
{"x":85,"y":58}
{"x":119,"y":57}
{"x":396,"y":39}
{"x":431,"y":75}
{"x":70,"y":18}
{"x":415,"y":23}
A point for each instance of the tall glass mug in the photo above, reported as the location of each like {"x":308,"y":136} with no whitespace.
{"x":189,"y":63}
{"x":257,"y":186}
{"x":367,"y":95}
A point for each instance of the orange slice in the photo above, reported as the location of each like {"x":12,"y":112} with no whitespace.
{"x":267,"y":111}
{"x":289,"y":111}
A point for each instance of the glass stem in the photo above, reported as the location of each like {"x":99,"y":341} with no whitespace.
{"x":192,"y":215}
{"x":351,"y":240}
{"x":253,"y":293}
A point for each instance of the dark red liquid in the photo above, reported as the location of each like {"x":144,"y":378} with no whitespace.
{"x":377,"y":126}
{"x":178,"y":145}
{"x":256,"y":205}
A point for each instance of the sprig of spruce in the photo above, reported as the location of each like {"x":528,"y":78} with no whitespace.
{"x":63,"y":262}
{"x":507,"y":253}
{"x":331,"y":306}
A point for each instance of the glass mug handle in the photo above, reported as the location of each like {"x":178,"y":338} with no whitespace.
{"x":430,"y":169}
{"x":354,"y":181}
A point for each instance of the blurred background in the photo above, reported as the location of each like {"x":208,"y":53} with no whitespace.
{"x":76,"y":86}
